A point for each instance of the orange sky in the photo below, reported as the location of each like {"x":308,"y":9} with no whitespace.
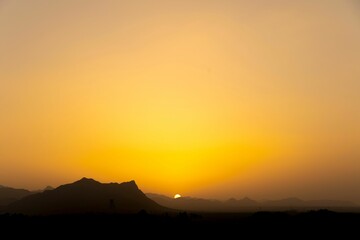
{"x":204,"y":98}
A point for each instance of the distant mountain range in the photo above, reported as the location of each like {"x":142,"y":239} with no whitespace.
{"x":9,"y":195}
{"x":245,"y":204}
{"x":89,"y":196}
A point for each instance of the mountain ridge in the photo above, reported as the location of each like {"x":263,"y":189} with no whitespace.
{"x":86,"y":196}
{"x":247,"y":204}
{"x":9,"y":195}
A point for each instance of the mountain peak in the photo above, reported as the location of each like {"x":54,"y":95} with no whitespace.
{"x":87,"y":196}
{"x":85,"y":180}
{"x":132,"y":182}
{"x":48,"y":188}
{"x":130,"y":185}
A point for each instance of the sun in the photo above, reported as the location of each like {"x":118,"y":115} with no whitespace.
{"x":177,"y":196}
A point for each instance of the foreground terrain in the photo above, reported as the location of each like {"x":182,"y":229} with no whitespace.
{"x":184,"y":225}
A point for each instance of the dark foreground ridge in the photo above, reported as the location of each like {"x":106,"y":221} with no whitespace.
{"x":184,"y":225}
{"x":86,"y":196}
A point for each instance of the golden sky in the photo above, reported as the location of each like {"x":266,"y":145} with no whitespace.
{"x":204,"y":98}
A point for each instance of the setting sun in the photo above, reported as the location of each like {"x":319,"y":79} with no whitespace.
{"x":177,"y":196}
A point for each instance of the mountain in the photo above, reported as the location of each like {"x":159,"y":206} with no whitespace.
{"x":87,"y":196}
{"x":247,"y":204}
{"x":90,"y":196}
{"x":287,"y":202}
{"x":331,"y":203}
{"x":204,"y":205}
{"x":48,"y":188}
{"x":185,"y":203}
{"x":242,"y":203}
{"x":314,"y":204}
{"x":9,"y":195}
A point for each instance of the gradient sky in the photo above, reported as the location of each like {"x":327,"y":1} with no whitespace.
{"x":204,"y":98}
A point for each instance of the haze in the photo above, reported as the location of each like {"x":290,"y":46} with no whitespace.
{"x":204,"y":98}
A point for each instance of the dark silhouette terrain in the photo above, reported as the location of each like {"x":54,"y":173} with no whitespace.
{"x":321,"y":223}
{"x":90,"y":196}
{"x":87,"y":208}
{"x":249,"y":205}
{"x":86,"y":196}
{"x":9,"y":195}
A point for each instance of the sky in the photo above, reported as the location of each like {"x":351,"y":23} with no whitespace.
{"x":207,"y":98}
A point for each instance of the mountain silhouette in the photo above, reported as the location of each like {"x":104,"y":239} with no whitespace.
{"x":48,"y":188}
{"x":238,"y":203}
{"x":205,"y":205}
{"x":247,"y":204}
{"x":314,"y":204}
{"x":9,"y":195}
{"x":87,"y":196}
{"x":90,"y":196}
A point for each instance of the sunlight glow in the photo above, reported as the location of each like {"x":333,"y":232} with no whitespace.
{"x":199,"y":96}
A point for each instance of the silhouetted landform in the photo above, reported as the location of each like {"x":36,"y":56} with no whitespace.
{"x":9,"y":195}
{"x":249,"y":205}
{"x":86,"y":196}
{"x":183,"y":225}
{"x":298,"y":203}
{"x":90,"y":196}
{"x":47,"y":188}
{"x":87,"y":208}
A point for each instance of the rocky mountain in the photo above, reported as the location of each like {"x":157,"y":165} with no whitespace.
{"x":87,"y":196}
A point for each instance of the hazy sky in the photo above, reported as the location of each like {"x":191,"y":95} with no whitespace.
{"x":204,"y":98}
